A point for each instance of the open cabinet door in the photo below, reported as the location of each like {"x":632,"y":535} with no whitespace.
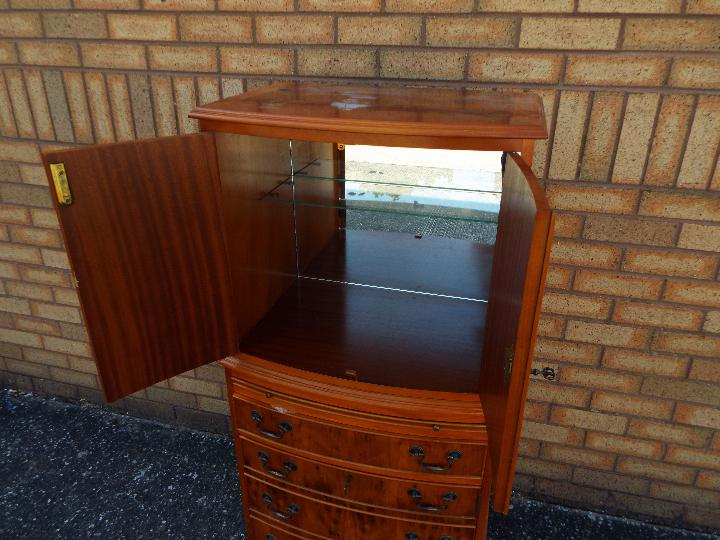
{"x":522,"y":247}
{"x":145,"y":238}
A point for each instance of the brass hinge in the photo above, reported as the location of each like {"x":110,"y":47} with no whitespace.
{"x":341,"y":147}
{"x":62,"y":188}
{"x":507,"y":370}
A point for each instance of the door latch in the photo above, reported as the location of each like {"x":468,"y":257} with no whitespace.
{"x":62,"y":188}
{"x":547,"y":373}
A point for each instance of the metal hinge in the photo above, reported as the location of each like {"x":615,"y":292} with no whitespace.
{"x":507,"y":369}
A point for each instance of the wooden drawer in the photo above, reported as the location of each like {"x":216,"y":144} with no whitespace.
{"x":262,"y":528}
{"x":327,"y":520}
{"x":378,"y":442}
{"x":419,"y":498}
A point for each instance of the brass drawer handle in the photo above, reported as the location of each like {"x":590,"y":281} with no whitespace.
{"x":447,"y":498}
{"x":292,"y":508}
{"x":412,"y":536}
{"x":419,"y":453}
{"x":283,"y":427}
{"x":289,"y":466}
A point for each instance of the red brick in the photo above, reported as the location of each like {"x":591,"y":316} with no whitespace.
{"x":602,"y":132}
{"x":698,"y":163}
{"x":688,"y":72}
{"x":402,"y":64}
{"x":36,"y":326}
{"x":179,"y":5}
{"x":48,"y":53}
{"x":341,"y":5}
{"x":585,"y":254}
{"x":536,"y":411}
{"x":569,"y":33}
{"x":668,"y":140}
{"x":699,"y":7}
{"x":14,"y":214}
{"x":701,"y":237}
{"x":568,"y":225}
{"x":544,"y":469}
{"x":680,"y":205}
{"x":19,"y":151}
{"x":634,"y":405}
{"x":575,"y":397}
{"x":578,"y":456}
{"x":252,"y":61}
{"x":705,"y":370}
{"x":164,"y":106}
{"x":196,"y":386}
{"x":256,"y":5}
{"x":591,"y":199}
{"x":642,"y":362}
{"x":470,"y":31}
{"x":708,"y":480}
{"x":216,"y":28}
{"x":668,"y":433}
{"x":550,"y":326}
{"x":514,"y":67}
{"x":68,"y":346}
{"x":623,"y":445}
{"x":183,"y":58}
{"x":39,"y":103}
{"x":622,"y":285}
{"x":77,"y":103}
{"x":591,"y":420}
{"x":139,"y":27}
{"x":701,"y":345}
{"x":567,"y":351}
{"x":113,"y":55}
{"x":20,"y":24}
{"x":655,"y":470}
{"x":697,"y":392}
{"x":337,"y":62}
{"x":550,"y":433}
{"x":379,"y":30}
{"x":99,"y":107}
{"x":658,"y":315}
{"x":294,"y":29}
{"x":689,"y":292}
{"x":606,"y":334}
{"x":581,"y":306}
{"x":600,"y":378}
{"x":35,"y":237}
{"x":106,"y":4}
{"x":623,"y":6}
{"x":27,"y":368}
{"x":697,"y":415}
{"x":436,"y":6}
{"x":613,"y":482}
{"x":558,"y":278}
{"x":685,"y":494}
{"x":569,"y":128}
{"x":694,"y":457}
{"x":75,"y":25}
{"x":615,"y":70}
{"x":671,"y":34}
{"x":633,"y":147}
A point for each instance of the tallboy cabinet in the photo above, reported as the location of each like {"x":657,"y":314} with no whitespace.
{"x":377,"y":364}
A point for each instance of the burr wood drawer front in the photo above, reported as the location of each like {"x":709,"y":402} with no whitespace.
{"x":311,"y":517}
{"x":443,"y":451}
{"x":400,"y":495}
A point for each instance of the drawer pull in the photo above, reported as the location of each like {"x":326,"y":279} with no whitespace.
{"x":419,"y":453}
{"x":447,"y":498}
{"x":292,"y":508}
{"x":412,"y":536}
{"x":283,"y":427}
{"x":289,"y":466}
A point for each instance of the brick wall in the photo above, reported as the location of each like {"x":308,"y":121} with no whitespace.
{"x":632,"y":93}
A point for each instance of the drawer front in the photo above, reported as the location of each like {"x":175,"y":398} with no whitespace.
{"x":425,"y":499}
{"x":361,"y":440}
{"x":289,"y":509}
{"x":262,"y":528}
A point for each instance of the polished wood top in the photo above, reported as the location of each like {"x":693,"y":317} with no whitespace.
{"x":383,"y":110}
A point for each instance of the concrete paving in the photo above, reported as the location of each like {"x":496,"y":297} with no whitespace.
{"x":75,"y":471}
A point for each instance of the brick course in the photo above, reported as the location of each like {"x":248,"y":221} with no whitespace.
{"x":631,"y":91}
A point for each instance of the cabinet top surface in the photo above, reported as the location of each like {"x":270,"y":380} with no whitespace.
{"x":384,"y":110}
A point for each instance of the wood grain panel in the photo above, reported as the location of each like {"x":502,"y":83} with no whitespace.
{"x":327,"y":520}
{"x":382,"y":111}
{"x":147,"y":245}
{"x":261,"y":242}
{"x":525,"y":226}
{"x":372,"y":444}
{"x":389,"y":495}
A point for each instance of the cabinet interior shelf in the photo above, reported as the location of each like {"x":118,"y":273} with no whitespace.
{"x":409,"y":333}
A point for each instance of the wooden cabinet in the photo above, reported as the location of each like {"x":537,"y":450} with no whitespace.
{"x":377,"y":364}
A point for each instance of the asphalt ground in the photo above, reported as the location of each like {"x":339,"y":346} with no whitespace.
{"x":74,"y":471}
